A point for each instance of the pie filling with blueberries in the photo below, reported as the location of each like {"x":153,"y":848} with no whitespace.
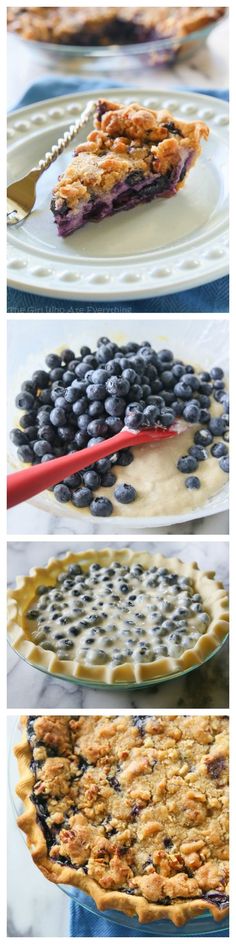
{"x":132,"y":810}
{"x":117,"y":616}
{"x":84,"y":397}
{"x":133,"y":155}
{"x":102,"y":26}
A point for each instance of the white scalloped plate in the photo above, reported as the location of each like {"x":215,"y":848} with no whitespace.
{"x":155,"y":249}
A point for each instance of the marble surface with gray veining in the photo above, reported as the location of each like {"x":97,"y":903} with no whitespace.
{"x":205,"y":687}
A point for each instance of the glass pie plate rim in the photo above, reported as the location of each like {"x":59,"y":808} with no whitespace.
{"x":119,"y":686}
{"x":169,"y":44}
{"x":201,"y":925}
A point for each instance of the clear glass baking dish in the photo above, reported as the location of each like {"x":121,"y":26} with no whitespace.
{"x":201,"y":926}
{"x":130,"y":57}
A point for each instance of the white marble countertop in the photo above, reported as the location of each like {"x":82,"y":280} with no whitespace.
{"x":205,"y":688}
{"x":208,"y":69}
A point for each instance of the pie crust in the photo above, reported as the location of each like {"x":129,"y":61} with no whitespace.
{"x":212,"y":592}
{"x":150,"y":840}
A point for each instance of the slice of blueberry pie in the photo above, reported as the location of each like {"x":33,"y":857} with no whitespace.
{"x":133,"y":155}
{"x":117,"y":616}
{"x":133,"y":810}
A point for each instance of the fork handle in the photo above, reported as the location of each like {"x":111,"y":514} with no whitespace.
{"x":62,"y":143}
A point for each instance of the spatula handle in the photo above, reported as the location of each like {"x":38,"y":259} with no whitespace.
{"x":24,"y":484}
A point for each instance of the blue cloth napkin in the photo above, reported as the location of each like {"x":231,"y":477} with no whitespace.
{"x":211,"y":298}
{"x":83,"y":923}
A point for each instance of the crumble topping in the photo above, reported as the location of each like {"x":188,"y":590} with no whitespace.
{"x":132,"y":802}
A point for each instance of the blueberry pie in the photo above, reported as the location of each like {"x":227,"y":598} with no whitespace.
{"x":130,"y":809}
{"x":94,"y":26}
{"x":133,"y":155}
{"x":117,"y":616}
{"x":81,"y":397}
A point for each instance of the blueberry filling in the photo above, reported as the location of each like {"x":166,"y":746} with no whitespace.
{"x":123,"y":196}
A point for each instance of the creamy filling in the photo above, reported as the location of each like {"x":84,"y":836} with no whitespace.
{"x":117,"y":614}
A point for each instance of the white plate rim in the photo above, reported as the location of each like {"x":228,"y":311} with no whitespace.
{"x":131,"y":285}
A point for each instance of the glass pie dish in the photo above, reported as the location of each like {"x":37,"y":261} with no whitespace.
{"x":129,"y":58}
{"x":201,"y":926}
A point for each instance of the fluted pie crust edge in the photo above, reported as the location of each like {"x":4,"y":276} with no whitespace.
{"x":212,"y":592}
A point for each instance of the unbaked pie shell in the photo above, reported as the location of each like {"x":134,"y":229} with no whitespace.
{"x":178,"y":913}
{"x":213,"y":594}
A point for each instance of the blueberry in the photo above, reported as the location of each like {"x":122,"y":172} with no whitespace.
{"x":115,"y":406}
{"x":62,"y":493}
{"x":53,"y":360}
{"x":204,"y":416}
{"x":192,"y":482}
{"x":73,"y":481}
{"x":165,"y":355}
{"x":103,"y":465}
{"x":96,"y":408}
{"x":217,"y":373}
{"x":68,"y":377}
{"x":187,"y":464}
{"x":83,"y":421}
{"x":167,"y":378}
{"x":125,"y":457}
{"x":101,"y":507}
{"x":47,"y":457}
{"x":96,"y":392}
{"x":115,"y":425}
{"x":108,"y":479}
{"x":125,"y":493}
{"x":183,"y":390}
{"x":117,"y":386}
{"x":67,"y":355}
{"x":58,"y":416}
{"x":224,"y":463}
{"x":203,"y":437}
{"x":27,"y":419}
{"x":24,"y":401}
{"x":25,"y":453}
{"x":191,"y":413}
{"x":56,"y":373}
{"x":99,"y":376}
{"x":80,"y":407}
{"x":41,"y":379}
{"x":81,"y":440}
{"x":18,"y":438}
{"x":97,"y":427}
{"x":166,"y":418}
{"x":41,"y":448}
{"x":198,"y":452}
{"x":134,"y":419}
{"x":130,"y":375}
{"x":219,"y":449}
{"x":217,"y":426}
{"x":150,"y":415}
{"x":178,"y":370}
{"x":82,"y":498}
{"x":91,"y":479}
{"x":94,"y":441}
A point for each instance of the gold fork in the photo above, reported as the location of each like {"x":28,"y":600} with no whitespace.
{"x":21,"y":194}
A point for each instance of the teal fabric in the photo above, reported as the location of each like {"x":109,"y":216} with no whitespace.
{"x":211,"y":298}
{"x":83,"y":923}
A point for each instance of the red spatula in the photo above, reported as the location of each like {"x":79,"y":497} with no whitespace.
{"x":28,"y":482}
